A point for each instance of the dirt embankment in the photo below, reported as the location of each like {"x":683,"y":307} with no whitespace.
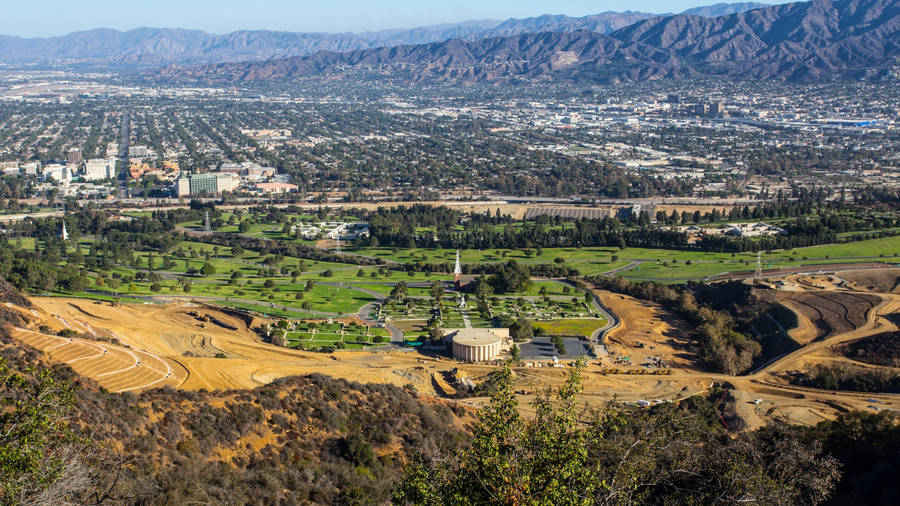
{"x":875,"y":280}
{"x":822,"y":314}
{"x":880,"y":349}
{"x":185,"y":336}
{"x":649,"y":330}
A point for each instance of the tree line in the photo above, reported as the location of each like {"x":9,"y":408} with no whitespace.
{"x":439,"y":227}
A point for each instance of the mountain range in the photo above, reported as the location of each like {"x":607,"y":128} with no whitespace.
{"x":156,"y":46}
{"x":796,"y":41}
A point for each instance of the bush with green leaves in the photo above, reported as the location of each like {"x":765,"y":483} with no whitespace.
{"x":566,"y":455}
{"x":521,"y":330}
{"x":41,"y":460}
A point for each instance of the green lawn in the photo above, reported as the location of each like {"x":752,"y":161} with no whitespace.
{"x":597,"y":267}
{"x":553,"y":288}
{"x":572,"y":327}
{"x":710,"y":264}
{"x":535,"y":309}
{"x":654,"y":270}
{"x":318,"y":334}
{"x":259,"y":308}
{"x":26,"y":243}
{"x":327,"y":299}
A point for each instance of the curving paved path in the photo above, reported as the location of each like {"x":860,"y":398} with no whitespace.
{"x":365,"y":314}
{"x":612,"y":320}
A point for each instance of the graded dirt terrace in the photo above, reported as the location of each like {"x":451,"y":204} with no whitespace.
{"x":878,"y":320}
{"x":116,"y":368}
{"x":171,"y":332}
{"x":830,"y":312}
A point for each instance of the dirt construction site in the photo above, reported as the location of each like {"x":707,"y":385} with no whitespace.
{"x":134,"y":347}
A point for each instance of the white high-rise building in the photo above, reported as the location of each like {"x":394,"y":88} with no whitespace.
{"x":99,"y":168}
{"x":58,"y":172}
{"x":182,"y":186}
{"x":226,"y":182}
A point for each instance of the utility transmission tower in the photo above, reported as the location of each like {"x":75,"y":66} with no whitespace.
{"x":206,"y":226}
{"x":758,"y":273}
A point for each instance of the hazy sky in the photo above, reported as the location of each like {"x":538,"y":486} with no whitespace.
{"x":41,"y":18}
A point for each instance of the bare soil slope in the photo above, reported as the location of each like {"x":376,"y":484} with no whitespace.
{"x":662,"y":333}
{"x":875,"y":280}
{"x":831,"y":313}
{"x":116,"y":368}
{"x":189,"y":344}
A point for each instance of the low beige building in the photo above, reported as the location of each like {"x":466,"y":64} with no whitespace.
{"x":477,"y":345}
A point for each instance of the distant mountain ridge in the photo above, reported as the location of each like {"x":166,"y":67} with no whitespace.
{"x":159,"y":46}
{"x":797,"y":41}
{"x":724,"y":9}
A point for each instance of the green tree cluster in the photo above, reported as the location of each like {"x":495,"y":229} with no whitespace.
{"x":511,"y":278}
{"x":566,"y":456}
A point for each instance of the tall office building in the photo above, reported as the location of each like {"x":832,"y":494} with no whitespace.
{"x":204,"y":184}
{"x":182,"y":187}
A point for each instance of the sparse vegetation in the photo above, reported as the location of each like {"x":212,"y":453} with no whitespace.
{"x":666,"y":455}
{"x":880,"y":349}
{"x":849,"y":378}
{"x":724,"y":348}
